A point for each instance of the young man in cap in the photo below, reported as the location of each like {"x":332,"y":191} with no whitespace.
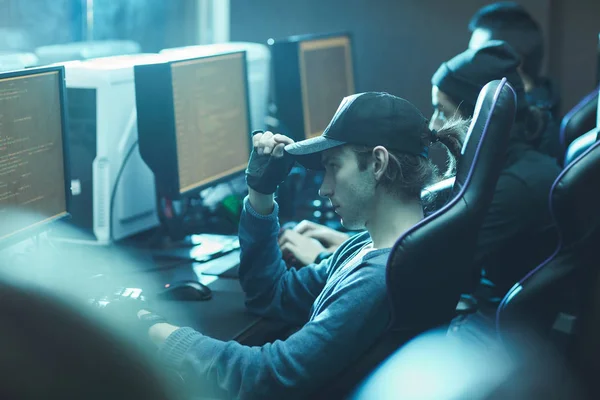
{"x":374,"y":153}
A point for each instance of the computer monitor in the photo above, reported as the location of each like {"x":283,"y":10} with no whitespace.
{"x":193,"y":121}
{"x":34,"y":176}
{"x":113,"y":192}
{"x":258,"y":58}
{"x":311,"y":76}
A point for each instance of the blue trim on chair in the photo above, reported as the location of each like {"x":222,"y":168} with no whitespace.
{"x":567,"y":118}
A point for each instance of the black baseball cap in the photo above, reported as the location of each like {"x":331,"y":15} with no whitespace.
{"x":367,"y":119}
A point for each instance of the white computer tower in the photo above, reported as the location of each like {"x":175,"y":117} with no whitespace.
{"x":14,"y":61}
{"x":258,"y":59}
{"x":86,"y":50}
{"x":113,"y":190}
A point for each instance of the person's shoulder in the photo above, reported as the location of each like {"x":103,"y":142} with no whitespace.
{"x":532,"y":166}
{"x":525,"y":185}
{"x":371,"y":268}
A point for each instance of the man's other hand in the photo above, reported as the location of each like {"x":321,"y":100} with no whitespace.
{"x":329,"y":238}
{"x":304,"y":249}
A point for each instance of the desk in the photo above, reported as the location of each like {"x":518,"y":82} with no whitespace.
{"x":224,"y":317}
{"x":93,"y":271}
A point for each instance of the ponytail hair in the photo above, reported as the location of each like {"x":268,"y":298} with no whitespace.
{"x":408,"y":174}
{"x":452,"y":137}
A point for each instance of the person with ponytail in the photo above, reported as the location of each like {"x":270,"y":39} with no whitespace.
{"x":405,"y":177}
{"x":517,"y":233}
{"x":374,"y":154}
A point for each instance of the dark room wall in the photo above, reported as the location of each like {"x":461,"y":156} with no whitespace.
{"x":574,"y":37}
{"x":400,"y":43}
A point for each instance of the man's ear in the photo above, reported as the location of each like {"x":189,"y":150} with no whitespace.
{"x":381,"y":158}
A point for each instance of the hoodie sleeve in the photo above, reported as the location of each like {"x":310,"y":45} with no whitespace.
{"x":353,"y":317}
{"x":271,"y":289}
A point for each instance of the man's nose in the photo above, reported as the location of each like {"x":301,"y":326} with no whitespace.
{"x":325,"y":189}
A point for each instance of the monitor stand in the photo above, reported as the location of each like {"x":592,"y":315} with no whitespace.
{"x":172,"y":240}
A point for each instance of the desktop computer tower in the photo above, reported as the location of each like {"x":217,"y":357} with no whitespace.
{"x":258,"y":59}
{"x":87,"y":50}
{"x":113,"y":190}
{"x":14,"y":61}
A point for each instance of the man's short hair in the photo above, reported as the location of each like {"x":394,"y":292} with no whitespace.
{"x":510,"y":22}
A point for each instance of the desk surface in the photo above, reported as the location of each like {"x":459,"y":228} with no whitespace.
{"x":223,"y":317}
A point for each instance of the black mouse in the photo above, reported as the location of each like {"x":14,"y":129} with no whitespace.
{"x":185,"y":291}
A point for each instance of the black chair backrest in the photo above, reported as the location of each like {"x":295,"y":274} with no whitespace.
{"x":442,"y":192}
{"x":560,"y":284}
{"x":581,"y":119}
{"x":430,"y":264}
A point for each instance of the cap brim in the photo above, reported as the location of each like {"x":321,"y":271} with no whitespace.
{"x":308,"y":152}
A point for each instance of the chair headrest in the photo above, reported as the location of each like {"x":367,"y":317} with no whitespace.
{"x":495,"y":103}
{"x":431,"y":264}
{"x":580,"y":119}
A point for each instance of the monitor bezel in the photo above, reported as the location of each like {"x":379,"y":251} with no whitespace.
{"x":36,"y":229}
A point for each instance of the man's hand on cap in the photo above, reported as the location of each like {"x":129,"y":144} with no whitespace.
{"x":268,"y":143}
{"x":269,"y":165}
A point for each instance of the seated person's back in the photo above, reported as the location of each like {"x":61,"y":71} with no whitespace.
{"x":517,"y":232}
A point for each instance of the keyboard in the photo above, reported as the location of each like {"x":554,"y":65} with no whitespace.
{"x":101,"y":301}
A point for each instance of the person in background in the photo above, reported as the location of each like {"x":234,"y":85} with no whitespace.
{"x":375,"y":157}
{"x":518,"y":232}
{"x":510,"y":22}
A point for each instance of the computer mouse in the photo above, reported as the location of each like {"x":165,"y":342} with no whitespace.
{"x":185,"y":291}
